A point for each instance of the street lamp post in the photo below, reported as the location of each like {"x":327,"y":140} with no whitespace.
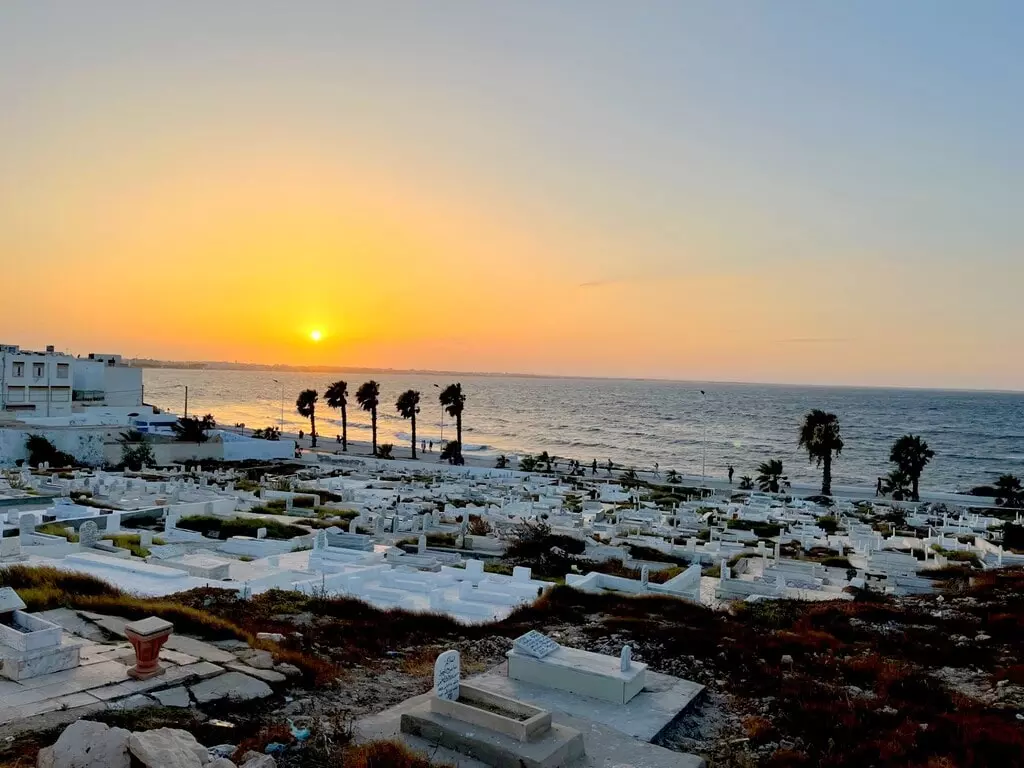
{"x":281,"y":427}
{"x":704,"y":448}
{"x":437,"y":386}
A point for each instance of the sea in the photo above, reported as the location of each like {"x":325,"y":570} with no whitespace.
{"x":697,"y":428}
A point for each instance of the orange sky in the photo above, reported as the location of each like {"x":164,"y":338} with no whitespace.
{"x":170,"y":198}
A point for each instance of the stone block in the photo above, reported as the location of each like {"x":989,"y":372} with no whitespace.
{"x":558,"y":747}
{"x":230,"y":685}
{"x":580,"y":672}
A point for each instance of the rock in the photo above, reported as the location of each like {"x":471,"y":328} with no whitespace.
{"x":273,"y":637}
{"x":258,"y":658}
{"x":289,"y":670}
{"x":260,"y":761}
{"x":786,"y":659}
{"x":250,"y":755}
{"x":266,"y":675}
{"x":231,"y":685}
{"x":85,"y":744}
{"x":982,"y":637}
{"x":173,"y":697}
{"x":222,"y":750}
{"x":220,"y":762}
{"x":168,"y":748}
{"x":137,"y":701}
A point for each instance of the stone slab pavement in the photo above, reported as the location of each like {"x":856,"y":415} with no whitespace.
{"x":644,"y":717}
{"x":605,"y":746}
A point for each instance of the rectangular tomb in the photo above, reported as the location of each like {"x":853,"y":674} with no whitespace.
{"x":580,"y":672}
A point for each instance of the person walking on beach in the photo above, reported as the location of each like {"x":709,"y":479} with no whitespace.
{"x":610,"y":466}
{"x":731,"y":470}
{"x":656,"y":468}
{"x":423,"y":446}
{"x":878,"y":487}
{"x":431,"y":446}
{"x":593,"y":467}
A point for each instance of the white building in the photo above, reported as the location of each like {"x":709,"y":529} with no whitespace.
{"x":35,"y":383}
{"x":102,"y":379}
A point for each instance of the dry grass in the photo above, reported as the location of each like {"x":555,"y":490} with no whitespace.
{"x":385,"y":754}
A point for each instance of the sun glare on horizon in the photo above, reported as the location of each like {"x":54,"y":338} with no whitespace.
{"x":315,"y":335}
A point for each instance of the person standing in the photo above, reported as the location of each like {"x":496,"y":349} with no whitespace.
{"x":731,"y":470}
{"x":593,"y":467}
{"x":878,"y":487}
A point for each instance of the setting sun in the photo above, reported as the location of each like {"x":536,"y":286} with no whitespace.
{"x":315,"y":335}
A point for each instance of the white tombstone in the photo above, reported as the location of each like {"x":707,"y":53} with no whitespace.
{"x":26,"y":526}
{"x":421,"y":544}
{"x":10,"y":547}
{"x":394,"y":524}
{"x":645,"y":575}
{"x":724,"y":570}
{"x":353,"y":525}
{"x":146,"y":538}
{"x":378,"y":524}
{"x":626,"y":658}
{"x":261,"y":533}
{"x":535,"y":644}
{"x":521,"y":574}
{"x":320,"y":540}
{"x":447,"y":676}
{"x":288,"y":502}
{"x":114,"y":522}
{"x":88,"y":534}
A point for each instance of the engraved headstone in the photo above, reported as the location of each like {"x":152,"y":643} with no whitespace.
{"x":146,"y":538}
{"x":27,"y":522}
{"x":626,"y":659}
{"x":535,"y":644}
{"x":421,"y":544}
{"x":394,"y":524}
{"x":10,"y":547}
{"x":447,"y":676}
{"x":645,"y":575}
{"x":320,"y":540}
{"x":88,"y":534}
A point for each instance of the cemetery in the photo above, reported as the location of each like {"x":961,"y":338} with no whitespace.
{"x":524,"y":566}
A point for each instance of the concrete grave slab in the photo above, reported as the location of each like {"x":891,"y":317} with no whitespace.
{"x":644,"y":717}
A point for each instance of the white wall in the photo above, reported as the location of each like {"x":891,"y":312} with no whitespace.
{"x":84,"y":443}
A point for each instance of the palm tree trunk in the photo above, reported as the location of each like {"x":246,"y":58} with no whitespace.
{"x":914,"y":495}
{"x":373,"y":426}
{"x":458,"y":431}
{"x":826,"y":475}
{"x":344,"y":428}
{"x":312,"y":428}
{"x":414,"y":435}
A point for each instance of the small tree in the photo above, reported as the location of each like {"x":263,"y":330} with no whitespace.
{"x":673,"y":477}
{"x":384,"y":451}
{"x":527,"y":464}
{"x":368,"y":397}
{"x":305,"y":405}
{"x":769,"y":475}
{"x":190,"y":429}
{"x":746,"y":483}
{"x":452,"y":454}
{"x":821,"y":438}
{"x":501,"y":462}
{"x":267,"y":433}
{"x":911,"y":455}
{"x":135,"y":451}
{"x":408,"y":405}
{"x":336,"y":396}
{"x":454,"y":402}
{"x":1009,"y":492}
{"x":897,"y":484}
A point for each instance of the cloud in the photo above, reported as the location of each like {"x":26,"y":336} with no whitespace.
{"x":815,"y":340}
{"x":598,"y":283}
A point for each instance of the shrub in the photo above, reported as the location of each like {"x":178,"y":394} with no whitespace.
{"x":384,"y":451}
{"x":225,"y":528}
{"x":478,"y":526}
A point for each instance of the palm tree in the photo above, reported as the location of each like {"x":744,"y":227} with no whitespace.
{"x":408,"y":405}
{"x":336,"y":396}
{"x":305,"y":405}
{"x":769,"y":474}
{"x":1009,"y":492}
{"x":897,"y":484}
{"x":911,"y":454}
{"x":368,"y":397}
{"x":820,"y":436}
{"x":454,"y":403}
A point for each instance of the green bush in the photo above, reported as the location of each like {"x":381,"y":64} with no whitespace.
{"x":225,"y":528}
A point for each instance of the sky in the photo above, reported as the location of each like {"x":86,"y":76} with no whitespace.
{"x":786,"y":191}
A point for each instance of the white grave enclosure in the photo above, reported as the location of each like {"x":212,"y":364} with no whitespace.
{"x":30,"y":646}
{"x":609,"y":678}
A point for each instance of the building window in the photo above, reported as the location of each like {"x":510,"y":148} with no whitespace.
{"x":62,"y":370}
{"x":19,"y":370}
{"x":38,"y":370}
